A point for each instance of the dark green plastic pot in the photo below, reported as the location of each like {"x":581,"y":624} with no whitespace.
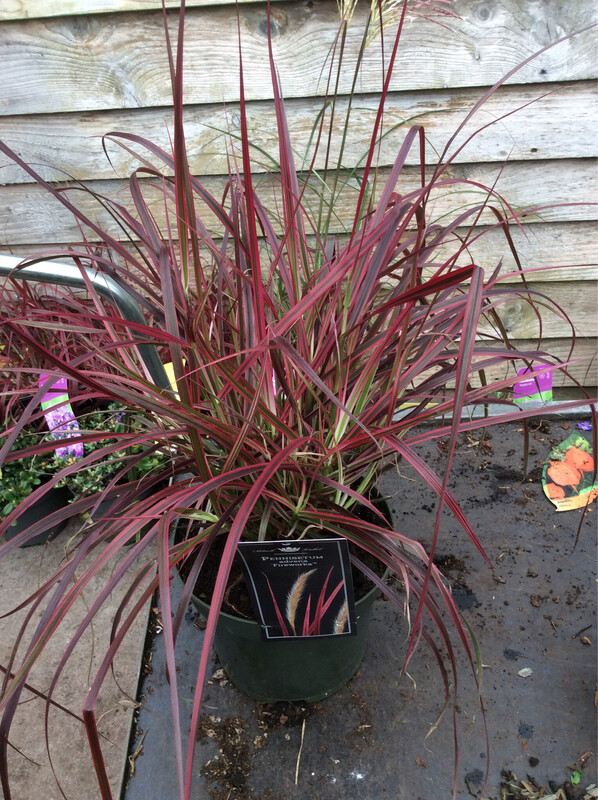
{"x":105,"y":507}
{"x":292,"y":669}
{"x":54,"y":500}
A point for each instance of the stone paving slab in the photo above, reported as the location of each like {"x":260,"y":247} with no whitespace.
{"x":30,"y":765}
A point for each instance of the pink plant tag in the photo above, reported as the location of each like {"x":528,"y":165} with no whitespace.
{"x":60,"y":420}
{"x":534,"y":387}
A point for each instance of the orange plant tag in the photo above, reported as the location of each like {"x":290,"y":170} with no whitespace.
{"x":568,"y":477}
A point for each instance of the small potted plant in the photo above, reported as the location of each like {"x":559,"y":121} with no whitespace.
{"x":43,"y":457}
{"x":302,"y":363}
{"x":19,"y":479}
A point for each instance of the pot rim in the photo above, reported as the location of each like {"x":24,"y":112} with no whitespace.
{"x":254,"y":623}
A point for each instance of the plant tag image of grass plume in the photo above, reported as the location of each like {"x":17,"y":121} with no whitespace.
{"x":300,"y":589}
{"x":568,"y":477}
{"x":60,"y":420}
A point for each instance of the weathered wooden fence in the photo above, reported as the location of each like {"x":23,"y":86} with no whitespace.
{"x":75,"y":69}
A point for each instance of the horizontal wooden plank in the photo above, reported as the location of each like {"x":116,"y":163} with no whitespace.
{"x":119,"y":61}
{"x":39,"y":9}
{"x":28,"y":212}
{"x":560,"y":124}
{"x":560,"y":251}
{"x":564,"y":394}
{"x":555,"y":251}
{"x":566,"y":309}
{"x":581,"y":360}
{"x":585,"y":354}
{"x":550,"y":248}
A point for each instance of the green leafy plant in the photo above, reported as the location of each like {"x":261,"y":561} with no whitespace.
{"x":116,"y":419}
{"x":20,"y":477}
{"x":303,"y":362}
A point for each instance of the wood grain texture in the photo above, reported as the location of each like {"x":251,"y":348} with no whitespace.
{"x":584,"y":354}
{"x":72,"y":70}
{"x":38,"y":9}
{"x":103,"y":61}
{"x":560,"y":124}
{"x":558,"y":251}
{"x":27,"y":211}
{"x":567,"y":309}
{"x":561,"y":251}
{"x":579,"y":360}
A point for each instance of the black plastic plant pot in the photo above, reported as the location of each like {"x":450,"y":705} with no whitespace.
{"x":52,"y":501}
{"x":294,"y":669}
{"x":105,"y":508}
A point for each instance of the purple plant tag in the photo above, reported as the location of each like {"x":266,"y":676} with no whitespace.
{"x":534,"y":387}
{"x":60,"y":420}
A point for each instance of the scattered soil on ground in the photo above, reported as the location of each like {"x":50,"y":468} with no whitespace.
{"x":289,"y":715}
{"x":529,"y":789}
{"x":228,"y":772}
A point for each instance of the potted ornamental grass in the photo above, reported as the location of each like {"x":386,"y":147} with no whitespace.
{"x":299,"y":364}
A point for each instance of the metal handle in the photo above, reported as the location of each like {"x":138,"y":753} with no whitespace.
{"x":69,"y":275}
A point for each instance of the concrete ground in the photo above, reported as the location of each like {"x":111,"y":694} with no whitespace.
{"x":36,"y":773}
{"x":534,"y":616}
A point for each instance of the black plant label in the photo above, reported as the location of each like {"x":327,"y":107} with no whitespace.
{"x":300,"y":589}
